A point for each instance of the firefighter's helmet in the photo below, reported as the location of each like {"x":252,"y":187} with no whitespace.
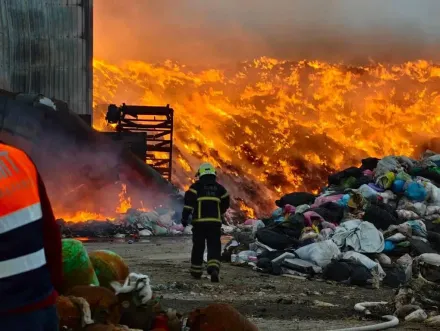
{"x":206,"y":169}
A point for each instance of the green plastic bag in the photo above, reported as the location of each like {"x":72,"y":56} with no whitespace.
{"x":159,"y":230}
{"x":386,"y":181}
{"x":403,"y":176}
{"x":349,"y":182}
{"x":77,"y":267}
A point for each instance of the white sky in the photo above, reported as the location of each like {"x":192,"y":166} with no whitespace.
{"x":224,"y":30}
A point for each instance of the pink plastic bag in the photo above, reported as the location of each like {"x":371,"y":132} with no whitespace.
{"x":323,"y":199}
{"x":368,"y":173}
{"x":289,"y":209}
{"x":178,"y":227}
{"x":250,"y":222}
{"x":308,"y":215}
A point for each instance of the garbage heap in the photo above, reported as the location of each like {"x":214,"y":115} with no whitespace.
{"x":100,"y":293}
{"x":135,"y":224}
{"x":131,"y":225}
{"x":365,"y":228}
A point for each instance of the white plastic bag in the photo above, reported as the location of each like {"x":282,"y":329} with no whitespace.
{"x":148,"y":219}
{"x":320,"y":253}
{"x":416,"y":316}
{"x":404,"y":260}
{"x":257,"y":226}
{"x":243,"y":257}
{"x":366,"y":261}
{"x":397,"y":238}
{"x":384,"y":259}
{"x":145,"y":233}
{"x":228,"y":229}
{"x":430,"y":258}
{"x":387,"y":164}
{"x":367,"y":192}
{"x":167,"y":219}
{"x":433,"y":193}
{"x":188,"y":229}
{"x":362,"y":237}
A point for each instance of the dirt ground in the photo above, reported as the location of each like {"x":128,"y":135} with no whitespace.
{"x":272,"y":302}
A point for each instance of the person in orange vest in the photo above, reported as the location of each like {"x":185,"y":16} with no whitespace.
{"x":30,"y":246}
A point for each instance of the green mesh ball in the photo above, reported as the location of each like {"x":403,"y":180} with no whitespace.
{"x":77,"y":267}
{"x":109,"y":267}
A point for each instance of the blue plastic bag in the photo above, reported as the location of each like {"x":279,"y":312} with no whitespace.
{"x":389,"y":246}
{"x":344,"y":200}
{"x":415,"y":192}
{"x":418,"y":228}
{"x":277,"y":213}
{"x":398,"y":186}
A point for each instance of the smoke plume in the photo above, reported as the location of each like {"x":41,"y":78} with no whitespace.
{"x":220,"y":31}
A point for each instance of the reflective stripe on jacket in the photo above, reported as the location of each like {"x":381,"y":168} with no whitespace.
{"x":206,"y":200}
{"x":24,"y":276}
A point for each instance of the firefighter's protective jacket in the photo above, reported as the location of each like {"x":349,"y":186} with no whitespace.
{"x":206,"y":200}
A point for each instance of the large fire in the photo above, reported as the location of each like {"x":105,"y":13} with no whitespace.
{"x":82,"y":216}
{"x":274,"y":126}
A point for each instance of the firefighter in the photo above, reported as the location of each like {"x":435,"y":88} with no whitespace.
{"x":30,"y":242}
{"x":207,"y":201}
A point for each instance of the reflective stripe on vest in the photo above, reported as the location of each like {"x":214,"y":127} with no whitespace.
{"x":22,"y":264}
{"x":20,"y":217}
{"x":19,"y":206}
{"x":207,"y":220}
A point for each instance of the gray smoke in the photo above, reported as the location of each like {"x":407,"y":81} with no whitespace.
{"x":221,"y":31}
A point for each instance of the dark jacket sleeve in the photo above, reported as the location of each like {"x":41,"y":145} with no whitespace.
{"x":52,"y":239}
{"x":189,"y":202}
{"x":224,"y":201}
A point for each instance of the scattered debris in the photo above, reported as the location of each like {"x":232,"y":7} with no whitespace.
{"x":373,"y":225}
{"x":319,"y":303}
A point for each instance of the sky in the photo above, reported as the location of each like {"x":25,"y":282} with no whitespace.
{"x":223,"y":31}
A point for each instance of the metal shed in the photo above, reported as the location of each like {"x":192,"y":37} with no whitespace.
{"x":46,"y":46}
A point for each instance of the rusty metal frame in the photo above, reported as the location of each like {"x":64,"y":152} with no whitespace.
{"x":158,"y":124}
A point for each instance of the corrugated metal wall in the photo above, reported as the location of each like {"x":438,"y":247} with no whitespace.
{"x":46,"y":46}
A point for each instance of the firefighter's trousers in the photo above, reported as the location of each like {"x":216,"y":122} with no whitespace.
{"x":209,"y":232}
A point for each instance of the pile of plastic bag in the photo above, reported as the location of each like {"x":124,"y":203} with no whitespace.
{"x":133,"y":224}
{"x":364,"y":228}
{"x":157,"y":223}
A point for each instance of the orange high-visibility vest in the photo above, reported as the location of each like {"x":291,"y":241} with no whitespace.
{"x":24,"y":276}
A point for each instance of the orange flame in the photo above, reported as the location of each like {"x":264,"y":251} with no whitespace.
{"x":124,"y":201}
{"x":81,"y":216}
{"x":248,"y":211}
{"x":280,"y":126}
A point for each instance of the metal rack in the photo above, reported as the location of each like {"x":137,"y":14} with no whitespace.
{"x":157,"y":123}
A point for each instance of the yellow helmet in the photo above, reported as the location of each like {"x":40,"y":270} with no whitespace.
{"x":206,"y":169}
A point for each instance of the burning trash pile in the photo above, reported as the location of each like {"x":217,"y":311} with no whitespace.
{"x":100,"y":293}
{"x":132,"y":224}
{"x":256,"y":120}
{"x":369,"y":226}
